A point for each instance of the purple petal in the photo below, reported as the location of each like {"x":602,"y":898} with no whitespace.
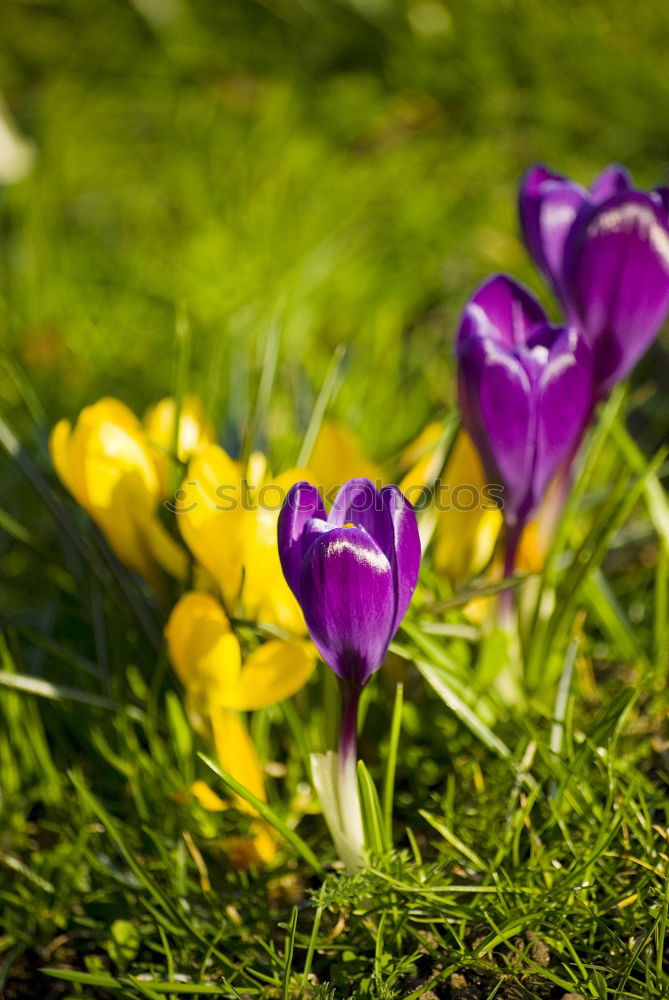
{"x":302,"y":504}
{"x":358,"y":502}
{"x":347,"y":596}
{"x":503,"y":310}
{"x":617,"y":281}
{"x":495,"y":395}
{"x":389,"y":518}
{"x":313,"y":529}
{"x":660,"y":197}
{"x":564,"y":405}
{"x":612,"y":180}
{"x":406,"y":549}
{"x":548,"y":204}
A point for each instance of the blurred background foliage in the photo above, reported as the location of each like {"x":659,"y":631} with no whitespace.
{"x":344,"y":170}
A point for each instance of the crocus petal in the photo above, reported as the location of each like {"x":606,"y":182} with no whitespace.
{"x":405,"y":552}
{"x":204,"y":652}
{"x":548,"y":205}
{"x":302,"y":504}
{"x":468,"y":521}
{"x":503,"y":310}
{"x":347,"y":595}
{"x":266,"y":596}
{"x":423,"y":459}
{"x":209,"y":514}
{"x":359,"y":503}
{"x":59,"y":449}
{"x":563,"y":401}
{"x":167,"y":552}
{"x":194,"y":432}
{"x":389,"y":518}
{"x":237,"y":755}
{"x":106,"y":463}
{"x":617,"y":273}
{"x":273,"y":672}
{"x":495,"y":396}
{"x":313,"y":528}
{"x":660,"y":196}
{"x":613,"y":179}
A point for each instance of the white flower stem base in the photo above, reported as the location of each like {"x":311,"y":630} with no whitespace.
{"x":336,"y":783}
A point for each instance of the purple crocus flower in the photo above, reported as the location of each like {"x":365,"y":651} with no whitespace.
{"x":353,"y":573}
{"x":525,"y":391}
{"x":605,"y":252}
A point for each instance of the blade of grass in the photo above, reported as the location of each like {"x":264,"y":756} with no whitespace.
{"x":657,"y":500}
{"x":25,"y":388}
{"x":182,"y":353}
{"x":581,"y":566}
{"x":435,"y":678}
{"x":263,"y":395}
{"x":268,"y":814}
{"x":323,"y":400}
{"x":612,"y":619}
{"x":453,"y":840}
{"x":562,"y":699}
{"x":391,"y":766}
{"x":370,"y":807}
{"x":55,"y":692}
{"x":106,"y":982}
{"x":114,"y":831}
{"x":289,"y":950}
{"x":311,"y":949}
{"x":594,"y":447}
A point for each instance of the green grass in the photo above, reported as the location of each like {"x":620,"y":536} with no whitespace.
{"x":290,"y":178}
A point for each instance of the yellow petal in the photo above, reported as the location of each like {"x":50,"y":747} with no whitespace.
{"x":194,"y":432}
{"x":237,"y":755}
{"x":170,"y":556}
{"x":338,"y":456}
{"x":465,"y":538}
{"x":257,"y":469}
{"x":423,"y":458}
{"x":106,"y":463}
{"x":207,"y":658}
{"x":207,"y":797}
{"x":59,"y":449}
{"x":210,"y":516}
{"x":203,"y":650}
{"x":530,"y":556}
{"x":274,"y":671}
{"x":266,"y":596}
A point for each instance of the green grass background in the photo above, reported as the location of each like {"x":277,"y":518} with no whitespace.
{"x":346,"y":169}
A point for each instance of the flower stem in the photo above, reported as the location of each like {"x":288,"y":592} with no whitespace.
{"x":506,"y":599}
{"x":349,"y":801}
{"x":348,"y":731}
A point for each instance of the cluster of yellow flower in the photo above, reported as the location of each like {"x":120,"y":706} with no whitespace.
{"x":121,"y":470}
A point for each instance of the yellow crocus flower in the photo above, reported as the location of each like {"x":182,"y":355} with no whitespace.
{"x":109,"y":467}
{"x":194,"y":432}
{"x":208,"y":660}
{"x":229,"y":524}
